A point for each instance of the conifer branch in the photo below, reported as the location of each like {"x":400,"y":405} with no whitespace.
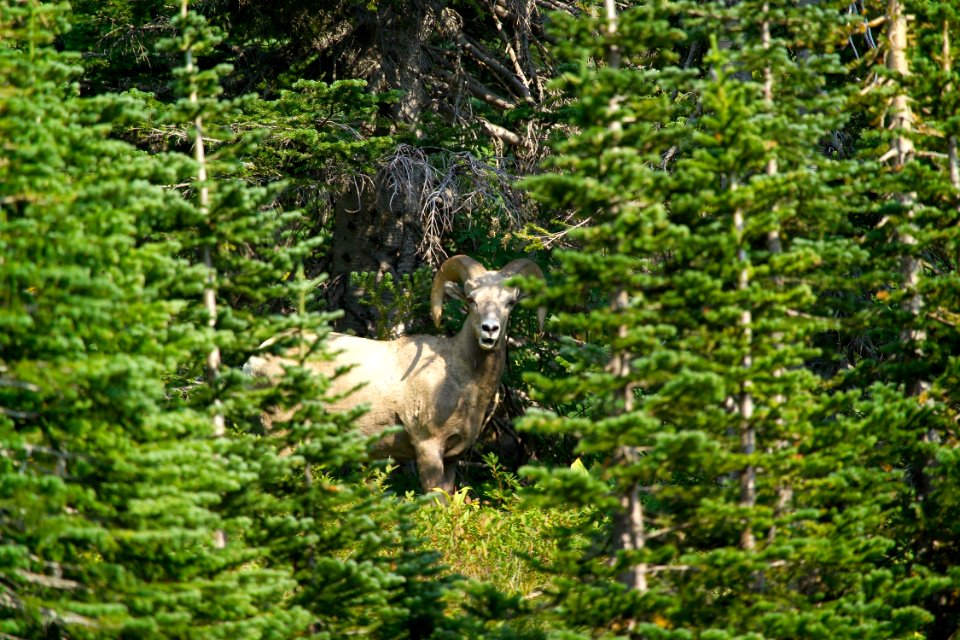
{"x":660,"y":568}
{"x":20,"y":415}
{"x":19,"y":384}
{"x":52,"y":582}
{"x":511,"y":48}
{"x":480,"y":54}
{"x":10,"y":601}
{"x":936,"y":155}
{"x":945,"y":317}
{"x":550,"y":239}
{"x":477,"y":89}
{"x":503,"y":133}
{"x":557,"y":5}
{"x":209,"y":291}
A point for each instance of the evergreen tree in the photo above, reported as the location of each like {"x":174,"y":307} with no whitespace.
{"x":134,"y":500}
{"x":107,"y":495}
{"x":737,"y":504}
{"x":910,"y":160}
{"x":309,"y":512}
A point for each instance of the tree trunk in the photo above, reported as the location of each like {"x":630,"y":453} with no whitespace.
{"x":375,"y":229}
{"x":901,"y":151}
{"x":952,"y":157}
{"x":377,"y":226}
{"x":629,"y":528}
{"x":210,"y":289}
{"x":748,"y":432}
{"x":398,"y":61}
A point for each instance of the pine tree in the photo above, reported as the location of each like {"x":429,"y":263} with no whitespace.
{"x":318,"y":527}
{"x":134,"y":501}
{"x":108,"y":494}
{"x":910,"y":229}
{"x":737,"y":503}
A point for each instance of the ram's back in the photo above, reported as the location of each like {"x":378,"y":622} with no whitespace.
{"x":405,"y":382}
{"x":410,"y":381}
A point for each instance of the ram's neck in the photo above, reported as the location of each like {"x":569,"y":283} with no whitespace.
{"x":483,"y":366}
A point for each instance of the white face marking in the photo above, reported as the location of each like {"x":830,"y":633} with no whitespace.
{"x":489,"y":307}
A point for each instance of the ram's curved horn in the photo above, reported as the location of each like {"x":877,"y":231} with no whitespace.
{"x":521,"y":267}
{"x":455,"y":269}
{"x":529,"y":268}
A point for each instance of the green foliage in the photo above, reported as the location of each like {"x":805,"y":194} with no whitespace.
{"x":122,"y":36}
{"x":911,"y":357}
{"x":398,"y":303}
{"x":108,"y":505}
{"x":491,"y":538}
{"x":317,"y":130}
{"x":735,"y":299}
{"x":732,"y":456}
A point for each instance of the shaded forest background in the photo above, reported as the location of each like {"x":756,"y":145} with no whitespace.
{"x":741,"y":421}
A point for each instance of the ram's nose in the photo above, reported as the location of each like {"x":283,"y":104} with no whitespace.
{"x":489,"y":333}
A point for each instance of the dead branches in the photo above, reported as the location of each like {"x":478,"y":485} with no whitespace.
{"x":450,"y":190}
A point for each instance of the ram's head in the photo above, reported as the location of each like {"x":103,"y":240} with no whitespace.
{"x":489,"y":300}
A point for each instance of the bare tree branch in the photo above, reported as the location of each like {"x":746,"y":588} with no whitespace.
{"x":480,"y":54}
{"x":478,"y":90}
{"x":52,"y":582}
{"x":504,"y":134}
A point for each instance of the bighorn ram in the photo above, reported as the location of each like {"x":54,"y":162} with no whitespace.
{"x":438,"y":388}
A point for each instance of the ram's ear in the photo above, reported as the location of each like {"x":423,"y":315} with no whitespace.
{"x":454,"y":290}
{"x":541,"y":318}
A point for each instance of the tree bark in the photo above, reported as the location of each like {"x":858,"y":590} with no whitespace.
{"x":902,"y":151}
{"x":374,"y":230}
{"x":377,"y":228}
{"x":210,"y":289}
{"x":398,"y":61}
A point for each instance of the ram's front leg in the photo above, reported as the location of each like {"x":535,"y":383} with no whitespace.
{"x":430,"y":466}
{"x":448,"y":483}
